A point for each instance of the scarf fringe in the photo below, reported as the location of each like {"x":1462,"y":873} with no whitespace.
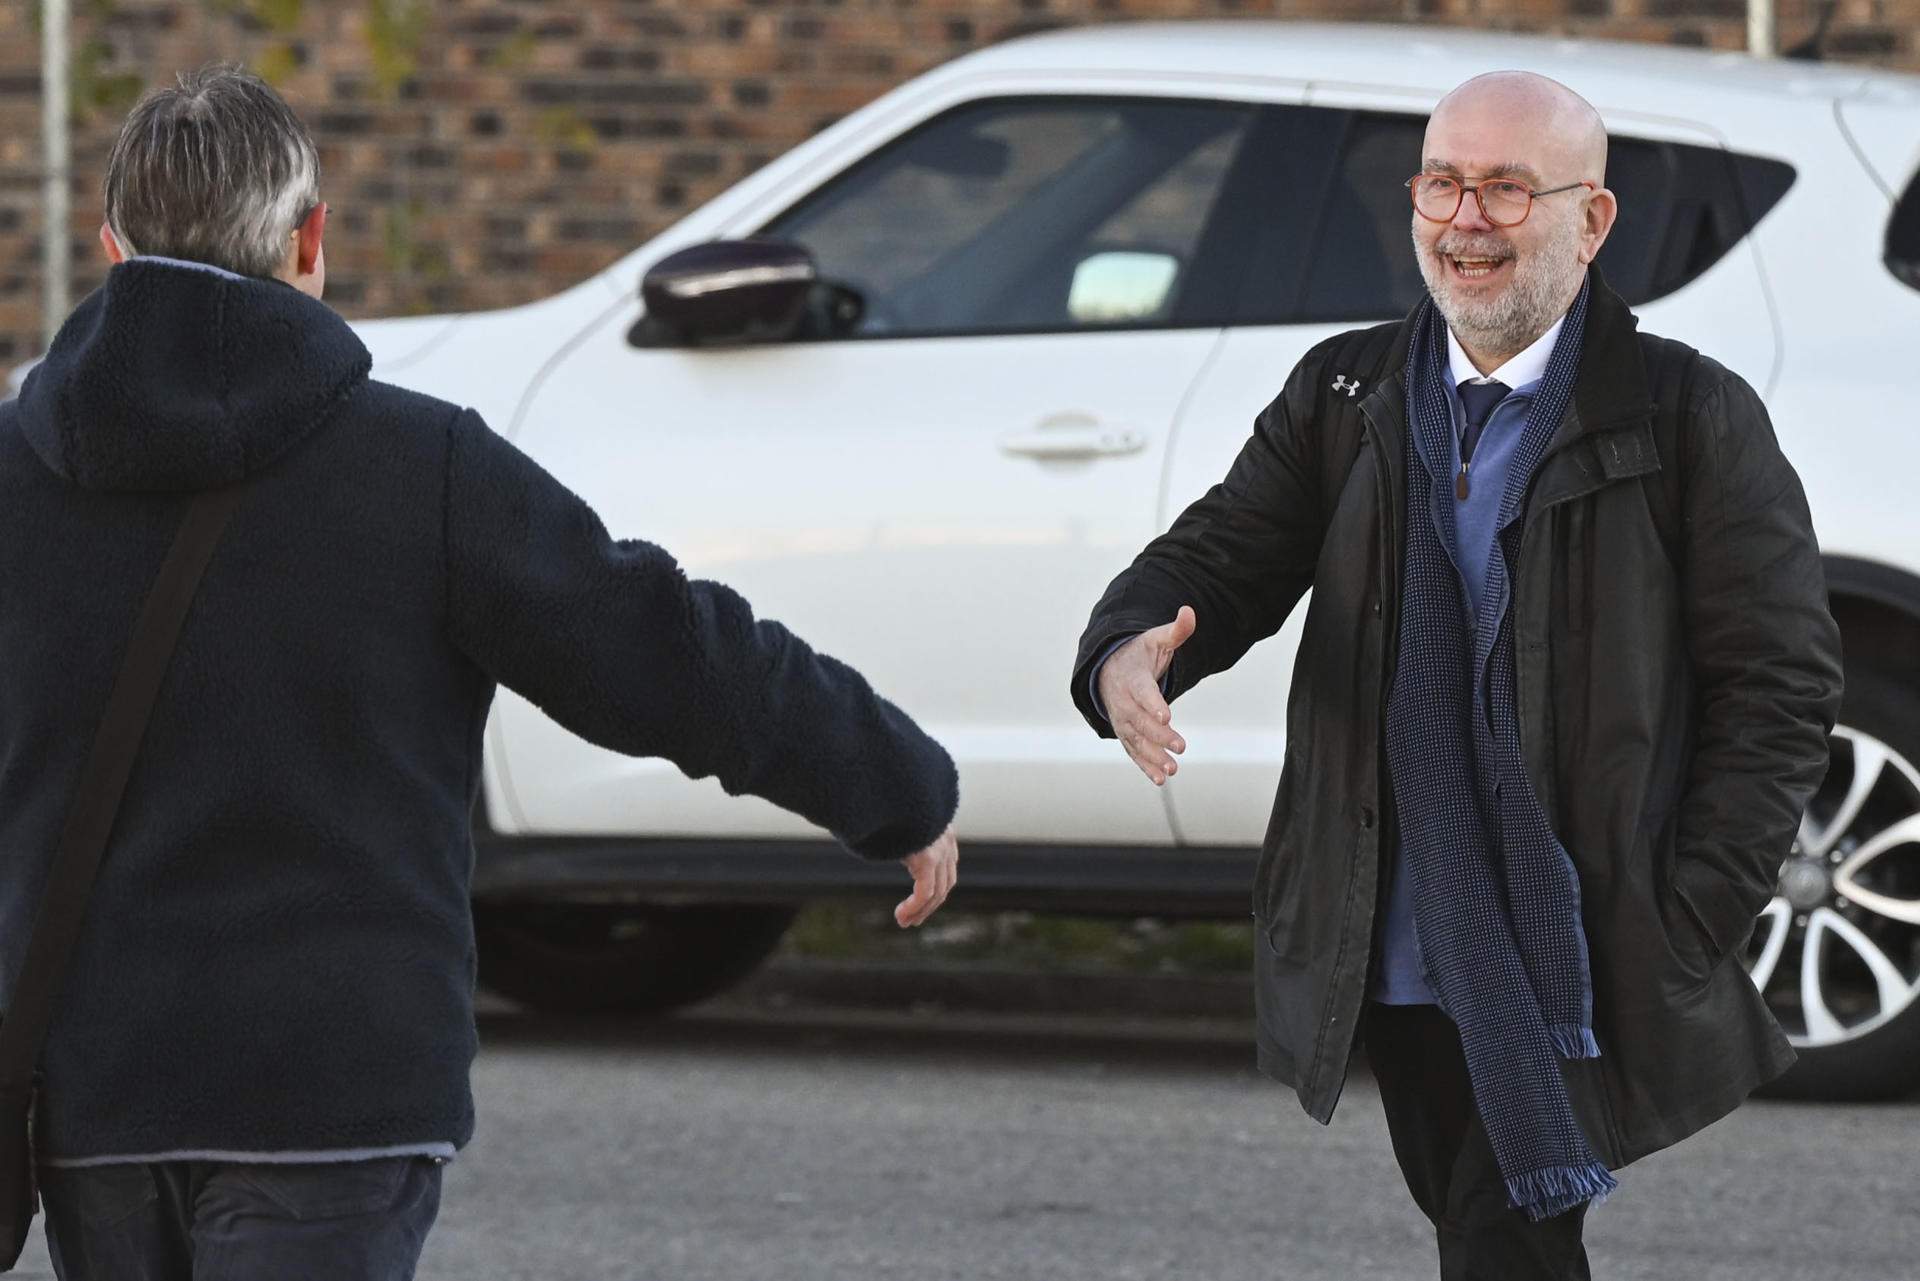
{"x":1574,"y":1041}
{"x":1545,"y":1193}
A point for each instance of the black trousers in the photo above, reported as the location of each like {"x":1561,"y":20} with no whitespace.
{"x":221,"y":1221}
{"x":1443,"y":1150}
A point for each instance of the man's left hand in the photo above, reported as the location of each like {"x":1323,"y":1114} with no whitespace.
{"x":936,"y":870}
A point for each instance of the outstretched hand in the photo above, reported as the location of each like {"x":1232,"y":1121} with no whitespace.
{"x":1130,"y":693}
{"x":936,"y":870}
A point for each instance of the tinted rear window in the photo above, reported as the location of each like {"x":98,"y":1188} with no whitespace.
{"x":1903,"y":236}
{"x":1682,"y":208}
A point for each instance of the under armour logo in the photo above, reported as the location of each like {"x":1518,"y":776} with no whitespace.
{"x":1340,"y":383}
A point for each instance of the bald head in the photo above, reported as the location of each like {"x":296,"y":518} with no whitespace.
{"x":1541,"y":121}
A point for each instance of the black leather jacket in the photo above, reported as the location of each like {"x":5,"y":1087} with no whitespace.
{"x":1678,"y":672}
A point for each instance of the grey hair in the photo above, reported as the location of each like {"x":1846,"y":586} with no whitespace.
{"x":214,"y":169}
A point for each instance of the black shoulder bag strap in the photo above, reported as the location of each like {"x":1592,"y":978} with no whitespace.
{"x":89,"y":823}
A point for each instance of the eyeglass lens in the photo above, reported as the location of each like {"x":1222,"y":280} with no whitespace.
{"x":1503,"y":202}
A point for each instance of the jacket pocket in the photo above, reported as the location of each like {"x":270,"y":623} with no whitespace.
{"x":102,"y":1196}
{"x":1708,"y":948}
{"x":1286,"y":1007}
{"x":1687,"y":934}
{"x":1277,"y":863}
{"x":1275,"y":889}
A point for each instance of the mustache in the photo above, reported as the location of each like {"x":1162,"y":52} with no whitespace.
{"x":1468,"y":247}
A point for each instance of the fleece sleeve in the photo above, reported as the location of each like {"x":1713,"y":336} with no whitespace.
{"x":613,"y":641}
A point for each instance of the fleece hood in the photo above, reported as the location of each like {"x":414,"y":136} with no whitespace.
{"x":177,"y":377}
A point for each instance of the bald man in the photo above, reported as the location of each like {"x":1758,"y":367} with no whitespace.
{"x":1562,"y":693}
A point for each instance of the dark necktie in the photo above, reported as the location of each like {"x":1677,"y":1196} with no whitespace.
{"x":1478,"y":400}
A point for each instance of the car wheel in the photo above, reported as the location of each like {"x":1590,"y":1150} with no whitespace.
{"x":640,"y":958}
{"x":1837,"y":952}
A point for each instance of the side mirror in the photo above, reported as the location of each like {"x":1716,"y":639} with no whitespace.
{"x":726,"y":292}
{"x":1117,"y":288}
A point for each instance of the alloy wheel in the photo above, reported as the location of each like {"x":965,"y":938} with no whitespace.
{"x":1836,"y":953}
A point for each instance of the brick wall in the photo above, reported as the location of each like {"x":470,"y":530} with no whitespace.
{"x":481,"y":153}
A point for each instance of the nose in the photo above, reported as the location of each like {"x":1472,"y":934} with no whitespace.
{"x":1469,"y":216}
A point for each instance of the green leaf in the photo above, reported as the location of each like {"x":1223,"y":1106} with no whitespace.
{"x":514,"y":53}
{"x":276,"y":64}
{"x":395,"y":30}
{"x":280,"y":15}
{"x":564,"y":127}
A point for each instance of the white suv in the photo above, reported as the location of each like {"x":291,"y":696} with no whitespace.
{"x":992,"y":332}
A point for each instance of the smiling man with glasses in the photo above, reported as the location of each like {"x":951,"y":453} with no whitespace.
{"x":1562,"y":693}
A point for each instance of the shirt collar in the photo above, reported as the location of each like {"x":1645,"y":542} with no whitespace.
{"x":1523,"y":370}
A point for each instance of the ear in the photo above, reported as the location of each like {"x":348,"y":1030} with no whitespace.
{"x":1597,"y":220}
{"x":108,"y":242}
{"x":311,"y":233}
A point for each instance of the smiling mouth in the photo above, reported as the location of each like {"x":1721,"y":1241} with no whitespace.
{"x":1474,"y":268}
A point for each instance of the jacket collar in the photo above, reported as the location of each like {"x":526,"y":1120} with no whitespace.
{"x":1610,"y":387}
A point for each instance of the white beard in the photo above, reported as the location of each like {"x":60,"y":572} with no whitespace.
{"x":1537,"y":295}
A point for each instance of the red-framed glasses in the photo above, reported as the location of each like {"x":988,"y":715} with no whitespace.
{"x":1503,"y":202}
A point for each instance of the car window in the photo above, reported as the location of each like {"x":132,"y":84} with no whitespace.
{"x":1363,"y":267}
{"x":1027,"y":214}
{"x":1903,"y":236}
{"x":1682,"y":208}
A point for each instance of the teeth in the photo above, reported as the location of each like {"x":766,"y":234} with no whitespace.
{"x":1474,"y":266}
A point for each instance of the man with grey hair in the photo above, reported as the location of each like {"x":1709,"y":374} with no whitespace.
{"x":1562,"y":693}
{"x":258,"y":1059}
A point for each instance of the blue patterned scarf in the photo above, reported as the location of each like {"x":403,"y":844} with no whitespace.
{"x":1496,"y":898}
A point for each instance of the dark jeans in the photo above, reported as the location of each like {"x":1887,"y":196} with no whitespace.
{"x":1444,"y":1153}
{"x":220,"y":1221}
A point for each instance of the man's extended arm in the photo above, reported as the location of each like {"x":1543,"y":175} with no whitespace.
{"x":1241,"y":555}
{"x":614,"y":642}
{"x":1766,"y":660}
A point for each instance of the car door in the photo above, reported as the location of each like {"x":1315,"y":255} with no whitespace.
{"x":938,"y":496}
{"x":1337,"y":255}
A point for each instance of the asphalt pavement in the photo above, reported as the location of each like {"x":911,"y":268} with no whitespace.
{"x":748,"y":1143}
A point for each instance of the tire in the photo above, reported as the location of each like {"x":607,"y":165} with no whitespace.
{"x":632,"y":958}
{"x":1869,"y":1047}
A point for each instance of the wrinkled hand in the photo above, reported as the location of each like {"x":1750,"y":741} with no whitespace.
{"x":1130,"y":692}
{"x":936,"y":870}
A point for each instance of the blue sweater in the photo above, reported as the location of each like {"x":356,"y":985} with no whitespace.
{"x":278,"y":955}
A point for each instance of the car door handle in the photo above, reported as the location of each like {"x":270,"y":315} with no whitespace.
{"x":1082,"y":439}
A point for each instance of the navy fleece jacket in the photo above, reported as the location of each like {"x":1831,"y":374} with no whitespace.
{"x":278,"y":954}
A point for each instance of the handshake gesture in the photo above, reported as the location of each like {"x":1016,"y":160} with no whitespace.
{"x":1129,"y":686}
